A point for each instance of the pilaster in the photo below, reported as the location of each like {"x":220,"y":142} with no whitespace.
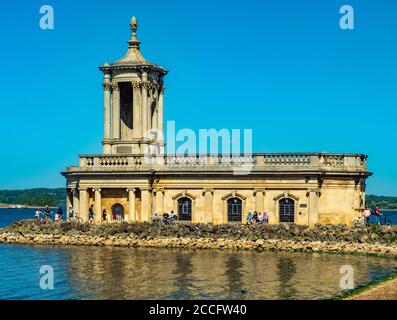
{"x":313,"y":195}
{"x":146,"y":205}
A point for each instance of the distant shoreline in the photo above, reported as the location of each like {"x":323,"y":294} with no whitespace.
{"x":22,"y":206}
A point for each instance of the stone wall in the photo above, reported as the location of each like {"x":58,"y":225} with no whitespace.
{"x":376,"y":240}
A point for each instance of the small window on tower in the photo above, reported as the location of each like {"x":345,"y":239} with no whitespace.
{"x":126,"y":103}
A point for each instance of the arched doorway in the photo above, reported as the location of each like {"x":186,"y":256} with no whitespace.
{"x":287,"y":210}
{"x":185,"y":209}
{"x":234,"y":209}
{"x":117,"y":212}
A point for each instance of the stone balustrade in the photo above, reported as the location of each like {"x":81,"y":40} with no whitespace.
{"x":259,"y":161}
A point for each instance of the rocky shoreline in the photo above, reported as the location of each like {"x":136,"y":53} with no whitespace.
{"x":359,"y":239}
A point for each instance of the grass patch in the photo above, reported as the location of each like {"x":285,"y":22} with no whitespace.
{"x":364,"y":288}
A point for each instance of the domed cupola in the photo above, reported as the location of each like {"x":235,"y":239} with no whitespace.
{"x":133,"y":100}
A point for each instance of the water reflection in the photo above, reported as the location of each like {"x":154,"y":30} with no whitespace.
{"x":126,"y":273}
{"x":182,"y":274}
{"x":286,"y":270}
{"x":234,"y":275}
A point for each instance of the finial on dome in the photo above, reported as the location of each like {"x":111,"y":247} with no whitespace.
{"x":134,"y":42}
{"x":134,"y":24}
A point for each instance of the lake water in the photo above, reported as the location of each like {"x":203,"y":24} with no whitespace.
{"x":127,"y":273}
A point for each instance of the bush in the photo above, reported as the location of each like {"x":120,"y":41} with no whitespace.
{"x":375,"y":228}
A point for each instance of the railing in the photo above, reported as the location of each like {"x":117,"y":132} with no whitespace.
{"x":286,"y":160}
{"x":296,"y":161}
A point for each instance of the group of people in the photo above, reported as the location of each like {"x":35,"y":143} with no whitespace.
{"x":252,"y":217}
{"x":165,"y":218}
{"x":257,"y":218}
{"x":375,"y":213}
{"x":91,"y":215}
{"x":114,"y":217}
{"x":46,"y":214}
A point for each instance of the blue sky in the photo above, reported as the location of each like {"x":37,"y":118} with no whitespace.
{"x":304,"y":84}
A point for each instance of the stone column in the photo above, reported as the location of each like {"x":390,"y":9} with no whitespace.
{"x":136,"y":106}
{"x":131,"y":205}
{"x":106,"y":116}
{"x":160,"y":115}
{"x":98,"y":206}
{"x":363,"y":197}
{"x":274,"y":218}
{"x":149,"y":105}
{"x":313,"y":195}
{"x":83,"y":212}
{"x":209,"y":216}
{"x":116,"y":110}
{"x":69,"y":200}
{"x":144,"y":111}
{"x":146,"y":204}
{"x":76,"y":202}
{"x":154,"y":202}
{"x":259,"y":201}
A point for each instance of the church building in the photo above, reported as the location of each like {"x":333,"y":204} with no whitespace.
{"x":129,"y":181}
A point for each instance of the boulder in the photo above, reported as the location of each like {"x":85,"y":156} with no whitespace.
{"x":362,"y":238}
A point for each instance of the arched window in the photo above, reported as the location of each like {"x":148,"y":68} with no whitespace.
{"x":234,"y":209}
{"x":185,"y":209}
{"x":287,"y":210}
{"x":126,"y":104}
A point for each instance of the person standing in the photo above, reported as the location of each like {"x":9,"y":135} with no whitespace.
{"x":367,"y":215}
{"x":71,"y":214}
{"x":91,"y":213}
{"x":377,"y":213}
{"x":59,"y":214}
{"x":47,"y":213}
{"x":37,"y":214}
{"x":104,"y":215}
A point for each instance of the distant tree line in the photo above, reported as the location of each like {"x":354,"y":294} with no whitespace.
{"x":383,"y":201}
{"x":34,"y":197}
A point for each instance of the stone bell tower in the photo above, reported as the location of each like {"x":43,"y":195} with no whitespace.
{"x":133,"y":101}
